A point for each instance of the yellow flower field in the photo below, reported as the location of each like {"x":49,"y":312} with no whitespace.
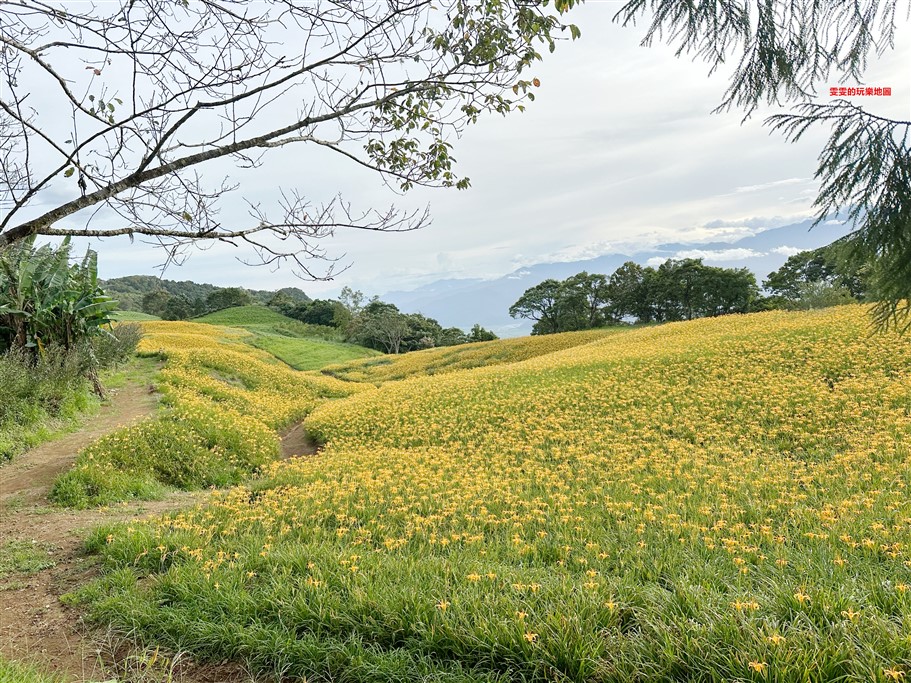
{"x":718,"y":500}
{"x":461,"y":357}
{"x":224,"y":401}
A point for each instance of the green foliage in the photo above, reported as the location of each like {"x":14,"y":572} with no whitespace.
{"x":46,"y":301}
{"x":18,"y":672}
{"x":812,"y":272}
{"x":540,"y":303}
{"x":44,"y":394}
{"x":676,"y":290}
{"x":382,"y":326}
{"x":154,"y":303}
{"x":179,"y":308}
{"x":820,"y":294}
{"x":479,"y":334}
{"x":228,"y":297}
{"x":39,"y":395}
{"x":453,"y":336}
{"x":23,"y":557}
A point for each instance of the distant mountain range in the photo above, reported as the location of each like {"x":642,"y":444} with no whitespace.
{"x":464,"y":302}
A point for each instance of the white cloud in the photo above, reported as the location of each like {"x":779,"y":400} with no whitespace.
{"x":642,"y":164}
{"x":785,"y":250}
{"x":770,"y":185}
{"x":738,"y":254}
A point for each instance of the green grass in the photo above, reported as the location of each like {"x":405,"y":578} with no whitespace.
{"x":302,"y":346}
{"x":140,"y":370}
{"x":39,"y":403}
{"x":23,"y":557}
{"x":309,"y":354}
{"x":18,"y":672}
{"x":133,"y":316}
{"x":242,"y":316}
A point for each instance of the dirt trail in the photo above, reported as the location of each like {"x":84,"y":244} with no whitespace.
{"x":34,"y":624}
{"x":296,"y":441}
{"x":28,"y":477}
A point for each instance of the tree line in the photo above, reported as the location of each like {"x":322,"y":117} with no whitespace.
{"x":180,"y":300}
{"x":684,"y":289}
{"x":377,"y":324}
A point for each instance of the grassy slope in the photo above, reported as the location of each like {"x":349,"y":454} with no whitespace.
{"x":462,"y":357}
{"x":302,"y":346}
{"x":241,"y":316}
{"x":725,"y":499}
{"x":134,"y":316}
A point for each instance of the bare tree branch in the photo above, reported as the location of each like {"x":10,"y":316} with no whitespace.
{"x":133,"y":102}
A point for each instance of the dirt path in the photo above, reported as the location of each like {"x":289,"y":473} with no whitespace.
{"x":34,"y":624}
{"x":296,"y":441}
{"x":28,"y":477}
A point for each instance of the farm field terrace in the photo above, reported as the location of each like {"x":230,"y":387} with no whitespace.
{"x":718,"y":500}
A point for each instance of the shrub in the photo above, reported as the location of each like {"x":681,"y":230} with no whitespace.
{"x":116,"y":346}
{"x":35,"y":391}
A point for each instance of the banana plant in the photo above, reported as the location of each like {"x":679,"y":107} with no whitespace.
{"x":47,"y":301}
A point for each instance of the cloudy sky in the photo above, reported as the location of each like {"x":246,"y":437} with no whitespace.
{"x":618,"y":153}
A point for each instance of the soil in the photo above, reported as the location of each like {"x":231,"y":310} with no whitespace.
{"x":35,"y":625}
{"x":296,"y":441}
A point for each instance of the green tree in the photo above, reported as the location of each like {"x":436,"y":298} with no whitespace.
{"x":675,"y":289}
{"x":479,"y":334}
{"x":826,"y":265}
{"x":726,"y":290}
{"x":229,"y":297}
{"x":582,"y":302}
{"x":423,"y":332}
{"x":539,"y":303}
{"x":178,"y":308}
{"x":281,"y":302}
{"x":382,"y":326}
{"x":154,"y":303}
{"x":453,"y":336}
{"x":627,"y":293}
{"x":318,"y":312}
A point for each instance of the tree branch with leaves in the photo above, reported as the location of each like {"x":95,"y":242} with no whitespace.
{"x":115,"y":119}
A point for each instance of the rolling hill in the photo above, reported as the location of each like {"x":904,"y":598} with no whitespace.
{"x":721,"y":499}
